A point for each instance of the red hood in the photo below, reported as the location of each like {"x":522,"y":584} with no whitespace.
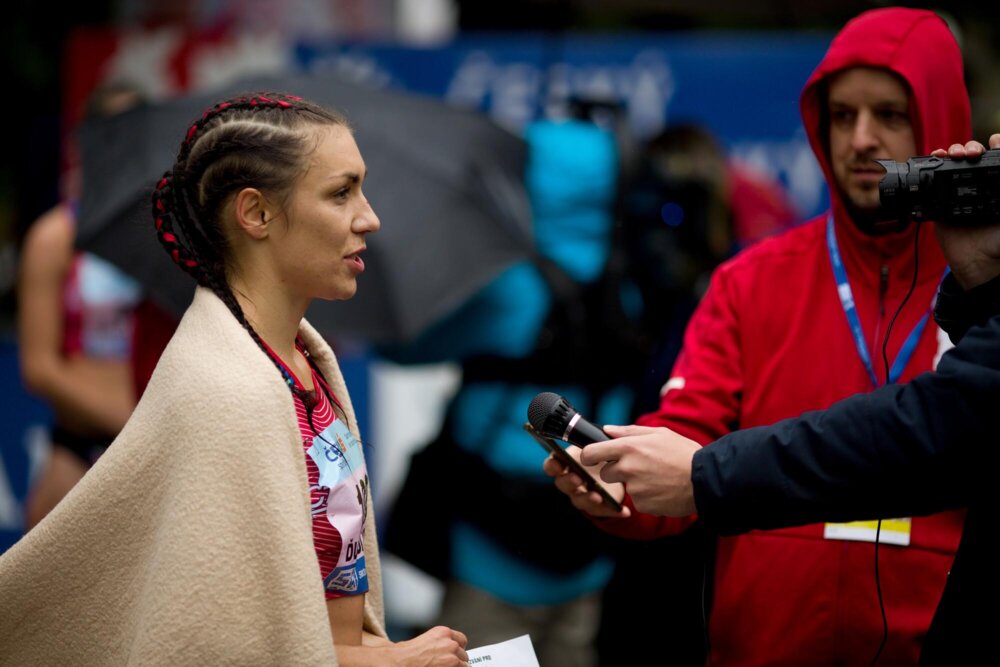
{"x":918,"y":46}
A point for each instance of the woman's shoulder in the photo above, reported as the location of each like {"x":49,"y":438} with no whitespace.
{"x":212,"y":355}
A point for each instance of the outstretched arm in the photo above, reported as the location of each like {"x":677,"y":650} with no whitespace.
{"x":904,"y":449}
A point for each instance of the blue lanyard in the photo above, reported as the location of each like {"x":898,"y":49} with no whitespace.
{"x":847,"y":302}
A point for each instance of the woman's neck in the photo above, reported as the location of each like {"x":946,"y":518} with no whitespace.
{"x":272,"y":315}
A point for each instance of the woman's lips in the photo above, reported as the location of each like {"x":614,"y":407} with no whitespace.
{"x":355,"y":260}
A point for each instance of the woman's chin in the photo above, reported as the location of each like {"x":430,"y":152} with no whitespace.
{"x":341,"y":292}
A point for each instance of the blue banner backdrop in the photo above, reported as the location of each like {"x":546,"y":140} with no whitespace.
{"x":743,"y":87}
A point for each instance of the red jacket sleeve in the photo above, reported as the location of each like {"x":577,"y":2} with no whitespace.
{"x":701,"y":399}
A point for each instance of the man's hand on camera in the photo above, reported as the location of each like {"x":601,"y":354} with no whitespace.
{"x":970,"y":150}
{"x":973,"y":253}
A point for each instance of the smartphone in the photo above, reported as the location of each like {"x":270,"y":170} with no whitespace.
{"x":563,"y":457}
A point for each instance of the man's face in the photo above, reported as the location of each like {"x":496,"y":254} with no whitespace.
{"x":869,"y":120}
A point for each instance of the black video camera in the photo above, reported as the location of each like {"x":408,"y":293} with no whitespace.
{"x":962,"y":193}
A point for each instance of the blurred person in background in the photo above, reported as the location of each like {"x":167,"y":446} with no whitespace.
{"x":687,"y":209}
{"x":513,"y":561}
{"x":800,"y":321}
{"x":75,"y":323}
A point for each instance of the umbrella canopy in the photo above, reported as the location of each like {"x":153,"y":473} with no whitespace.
{"x":446,"y":183}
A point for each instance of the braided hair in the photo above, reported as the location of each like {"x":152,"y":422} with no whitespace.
{"x":258,"y":140}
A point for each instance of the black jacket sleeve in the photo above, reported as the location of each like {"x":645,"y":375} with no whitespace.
{"x":902,"y":450}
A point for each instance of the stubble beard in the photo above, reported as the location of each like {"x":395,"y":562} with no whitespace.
{"x":867,"y":215}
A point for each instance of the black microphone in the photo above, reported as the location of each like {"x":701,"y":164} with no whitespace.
{"x":552,"y":415}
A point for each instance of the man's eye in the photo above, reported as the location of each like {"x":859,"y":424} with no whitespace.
{"x":891,"y":116}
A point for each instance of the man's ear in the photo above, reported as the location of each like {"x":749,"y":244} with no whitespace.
{"x":253,"y":213}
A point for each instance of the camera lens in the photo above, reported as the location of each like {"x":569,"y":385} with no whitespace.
{"x":893,"y":190}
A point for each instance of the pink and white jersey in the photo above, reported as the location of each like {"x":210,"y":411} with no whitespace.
{"x":338,"y":488}
{"x":98,"y":305}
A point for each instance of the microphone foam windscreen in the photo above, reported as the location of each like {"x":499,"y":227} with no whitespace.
{"x":550,"y":413}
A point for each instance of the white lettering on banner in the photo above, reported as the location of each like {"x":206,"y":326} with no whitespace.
{"x":357,"y":67}
{"x":511,"y":92}
{"x":471,"y":83}
{"x":516,"y":91}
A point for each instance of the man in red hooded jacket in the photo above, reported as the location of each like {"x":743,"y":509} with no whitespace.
{"x":797,"y":323}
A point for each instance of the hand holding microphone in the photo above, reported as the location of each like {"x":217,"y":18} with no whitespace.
{"x":551,"y":416}
{"x":654,"y":464}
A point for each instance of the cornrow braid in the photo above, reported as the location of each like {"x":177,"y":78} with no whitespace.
{"x":164,"y":205}
{"x":235,"y":104}
{"x":257,"y":140}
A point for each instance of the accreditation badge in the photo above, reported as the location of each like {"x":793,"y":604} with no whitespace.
{"x":894,"y":531}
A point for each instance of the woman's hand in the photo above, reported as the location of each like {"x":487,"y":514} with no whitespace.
{"x":438,"y":647}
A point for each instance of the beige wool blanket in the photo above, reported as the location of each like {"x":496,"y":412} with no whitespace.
{"x":190,"y":541}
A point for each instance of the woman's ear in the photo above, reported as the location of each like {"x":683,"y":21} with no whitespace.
{"x":253,"y":213}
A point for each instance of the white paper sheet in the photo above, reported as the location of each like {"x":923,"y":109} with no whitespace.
{"x":517,"y":652}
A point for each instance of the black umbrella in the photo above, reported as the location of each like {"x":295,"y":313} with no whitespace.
{"x":446,"y":183}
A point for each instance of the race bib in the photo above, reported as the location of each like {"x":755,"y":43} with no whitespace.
{"x":341,"y":462}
